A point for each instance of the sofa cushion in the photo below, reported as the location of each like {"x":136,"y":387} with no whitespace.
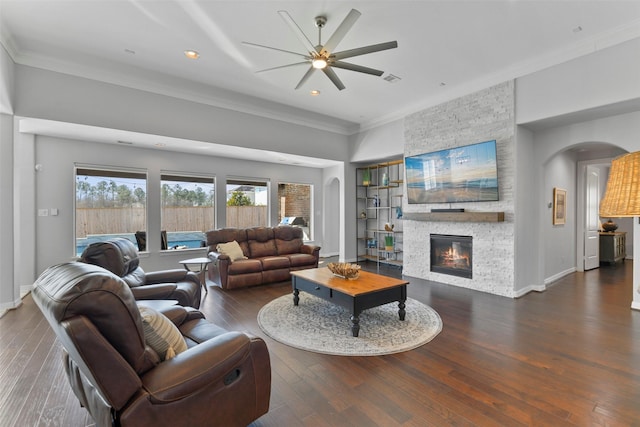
{"x":161,"y":334}
{"x":244,"y":266}
{"x":232,"y":249}
{"x":288,"y":239}
{"x":261,"y":242}
{"x":275,"y":262}
{"x":225,"y":235}
{"x":298,"y":260}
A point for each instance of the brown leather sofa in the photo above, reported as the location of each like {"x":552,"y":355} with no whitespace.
{"x":120,"y":256}
{"x":272,"y":253}
{"x":221,"y":379}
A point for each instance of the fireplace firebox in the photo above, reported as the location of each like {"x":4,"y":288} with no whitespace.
{"x":452,"y":255}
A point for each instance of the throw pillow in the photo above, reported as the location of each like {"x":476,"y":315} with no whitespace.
{"x":232,"y":249}
{"x":161,"y":334}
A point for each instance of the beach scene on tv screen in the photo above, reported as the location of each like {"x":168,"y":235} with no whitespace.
{"x":462,"y":174}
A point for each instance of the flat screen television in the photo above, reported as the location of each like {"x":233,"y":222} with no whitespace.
{"x":461,"y":174}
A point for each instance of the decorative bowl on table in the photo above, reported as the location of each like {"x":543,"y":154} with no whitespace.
{"x":344,"y":270}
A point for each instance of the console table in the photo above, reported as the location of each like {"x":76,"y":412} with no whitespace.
{"x":612,"y":246}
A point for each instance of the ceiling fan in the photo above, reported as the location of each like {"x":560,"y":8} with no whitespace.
{"x":322,"y":57}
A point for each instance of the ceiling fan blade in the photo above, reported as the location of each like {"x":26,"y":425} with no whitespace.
{"x":298,"y":32}
{"x":275,"y":48}
{"x":341,"y":31}
{"x":364,"y":50}
{"x":283,"y":66}
{"x":305,"y":77}
{"x":358,"y":68}
{"x":333,"y":77}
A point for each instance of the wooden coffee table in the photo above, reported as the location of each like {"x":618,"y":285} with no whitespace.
{"x":367,"y":291}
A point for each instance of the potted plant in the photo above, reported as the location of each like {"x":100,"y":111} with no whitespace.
{"x":388,"y":243}
{"x":366,"y":177}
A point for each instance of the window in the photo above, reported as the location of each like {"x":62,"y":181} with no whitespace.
{"x":109,"y":203}
{"x":188,"y":209}
{"x":294,"y":207}
{"x":247,"y":203}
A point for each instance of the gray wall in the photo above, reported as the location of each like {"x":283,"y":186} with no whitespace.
{"x":55,"y":186}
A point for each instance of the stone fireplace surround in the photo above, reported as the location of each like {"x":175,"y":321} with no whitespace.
{"x":481,"y":116}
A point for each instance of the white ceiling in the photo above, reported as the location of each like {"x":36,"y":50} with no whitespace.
{"x":445,"y":48}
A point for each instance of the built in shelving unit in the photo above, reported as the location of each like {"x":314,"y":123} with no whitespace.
{"x":379,"y":208}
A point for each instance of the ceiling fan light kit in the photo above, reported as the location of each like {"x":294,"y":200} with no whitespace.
{"x":322,"y":57}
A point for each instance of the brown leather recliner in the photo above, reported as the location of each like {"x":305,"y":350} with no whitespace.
{"x":120,"y":256}
{"x":223,"y":378}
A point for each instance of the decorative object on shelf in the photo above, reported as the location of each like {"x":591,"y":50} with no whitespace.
{"x":388,"y":227}
{"x":559,"y":206}
{"x":609,"y":226}
{"x":366,"y":177}
{"x":363,"y":215}
{"x":385,"y":179}
{"x":398,"y":212}
{"x":372,"y":243}
{"x":376,"y":202}
{"x":388,"y":243}
{"x":344,"y":270}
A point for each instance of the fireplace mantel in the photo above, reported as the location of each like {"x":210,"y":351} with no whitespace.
{"x":455,"y":216}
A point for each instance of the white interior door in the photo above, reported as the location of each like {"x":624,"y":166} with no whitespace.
{"x":591,"y":236}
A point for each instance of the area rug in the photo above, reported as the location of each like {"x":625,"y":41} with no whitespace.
{"x":323,"y":327}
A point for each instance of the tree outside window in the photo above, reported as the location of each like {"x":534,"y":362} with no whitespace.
{"x":109,"y":203}
{"x":247,"y":203}
{"x":188,"y":209}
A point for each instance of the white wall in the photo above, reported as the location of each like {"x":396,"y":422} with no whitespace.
{"x":527,"y":258}
{"x":621,"y":131}
{"x":55,"y":96}
{"x":9,"y":289}
{"x":7,"y":82}
{"x":559,"y":240}
{"x":55,"y":188}
{"x":380,"y":143}
{"x":604,"y":77}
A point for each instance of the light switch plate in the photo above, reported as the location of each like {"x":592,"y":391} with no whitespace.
{"x":43,"y":212}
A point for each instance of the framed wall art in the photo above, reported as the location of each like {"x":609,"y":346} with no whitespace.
{"x":559,"y":206}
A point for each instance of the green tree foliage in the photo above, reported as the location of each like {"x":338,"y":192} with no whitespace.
{"x":238,"y":198}
{"x":108,"y":194}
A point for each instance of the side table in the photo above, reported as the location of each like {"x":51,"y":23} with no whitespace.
{"x":203,"y":264}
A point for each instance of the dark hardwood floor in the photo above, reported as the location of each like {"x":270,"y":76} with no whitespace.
{"x":566,"y":356}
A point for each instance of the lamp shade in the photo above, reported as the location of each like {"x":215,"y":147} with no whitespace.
{"x":622,"y":196}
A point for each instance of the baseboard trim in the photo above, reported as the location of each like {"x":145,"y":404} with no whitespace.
{"x":559,"y":276}
{"x":531,"y":288}
{"x":635,"y":305}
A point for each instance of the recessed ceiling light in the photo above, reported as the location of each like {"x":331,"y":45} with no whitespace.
{"x":191,"y":54}
{"x":315,"y":92}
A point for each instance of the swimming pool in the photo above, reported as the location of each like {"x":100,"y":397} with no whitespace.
{"x":190,"y":239}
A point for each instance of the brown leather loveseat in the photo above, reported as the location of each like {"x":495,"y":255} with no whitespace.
{"x":269,"y":254}
{"x":218,"y":378}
